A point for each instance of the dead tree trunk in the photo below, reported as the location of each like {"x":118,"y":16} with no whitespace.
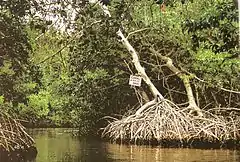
{"x":141,"y":71}
{"x":138,"y":66}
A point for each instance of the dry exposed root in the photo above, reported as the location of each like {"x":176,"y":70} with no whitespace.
{"x":13,"y":135}
{"x":166,"y":121}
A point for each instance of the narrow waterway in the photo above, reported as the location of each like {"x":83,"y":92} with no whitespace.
{"x":58,"y":145}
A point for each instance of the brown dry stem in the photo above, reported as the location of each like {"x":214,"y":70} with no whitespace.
{"x":13,"y":135}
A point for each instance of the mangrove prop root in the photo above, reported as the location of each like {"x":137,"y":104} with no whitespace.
{"x":13,"y":135}
{"x":166,"y":121}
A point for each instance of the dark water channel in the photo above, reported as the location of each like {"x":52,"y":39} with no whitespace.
{"x":58,"y":145}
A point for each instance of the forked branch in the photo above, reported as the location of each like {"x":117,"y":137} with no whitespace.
{"x":185,"y":78}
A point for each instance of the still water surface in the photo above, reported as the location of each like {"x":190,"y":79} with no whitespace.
{"x":58,"y":145}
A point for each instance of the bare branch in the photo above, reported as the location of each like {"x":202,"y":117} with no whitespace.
{"x":184,"y":78}
{"x":224,"y":89}
{"x":80,"y":34}
{"x":136,"y":31}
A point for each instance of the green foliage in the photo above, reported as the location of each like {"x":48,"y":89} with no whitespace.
{"x":16,"y":7}
{"x":46,"y":106}
{"x":216,"y":69}
{"x":30,"y":90}
{"x":99,"y":79}
{"x":39,"y":103}
{"x":6,"y":69}
{"x":14,"y":49}
{"x":216,"y":30}
{"x":1,"y":100}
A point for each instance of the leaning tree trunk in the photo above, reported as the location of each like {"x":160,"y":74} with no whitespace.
{"x":138,"y":66}
{"x":141,"y":71}
{"x":194,"y":109}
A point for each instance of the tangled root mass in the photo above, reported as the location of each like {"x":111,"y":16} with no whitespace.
{"x":165,"y":121}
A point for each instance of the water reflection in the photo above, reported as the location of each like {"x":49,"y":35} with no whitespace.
{"x":133,"y":153}
{"x":58,"y":145}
